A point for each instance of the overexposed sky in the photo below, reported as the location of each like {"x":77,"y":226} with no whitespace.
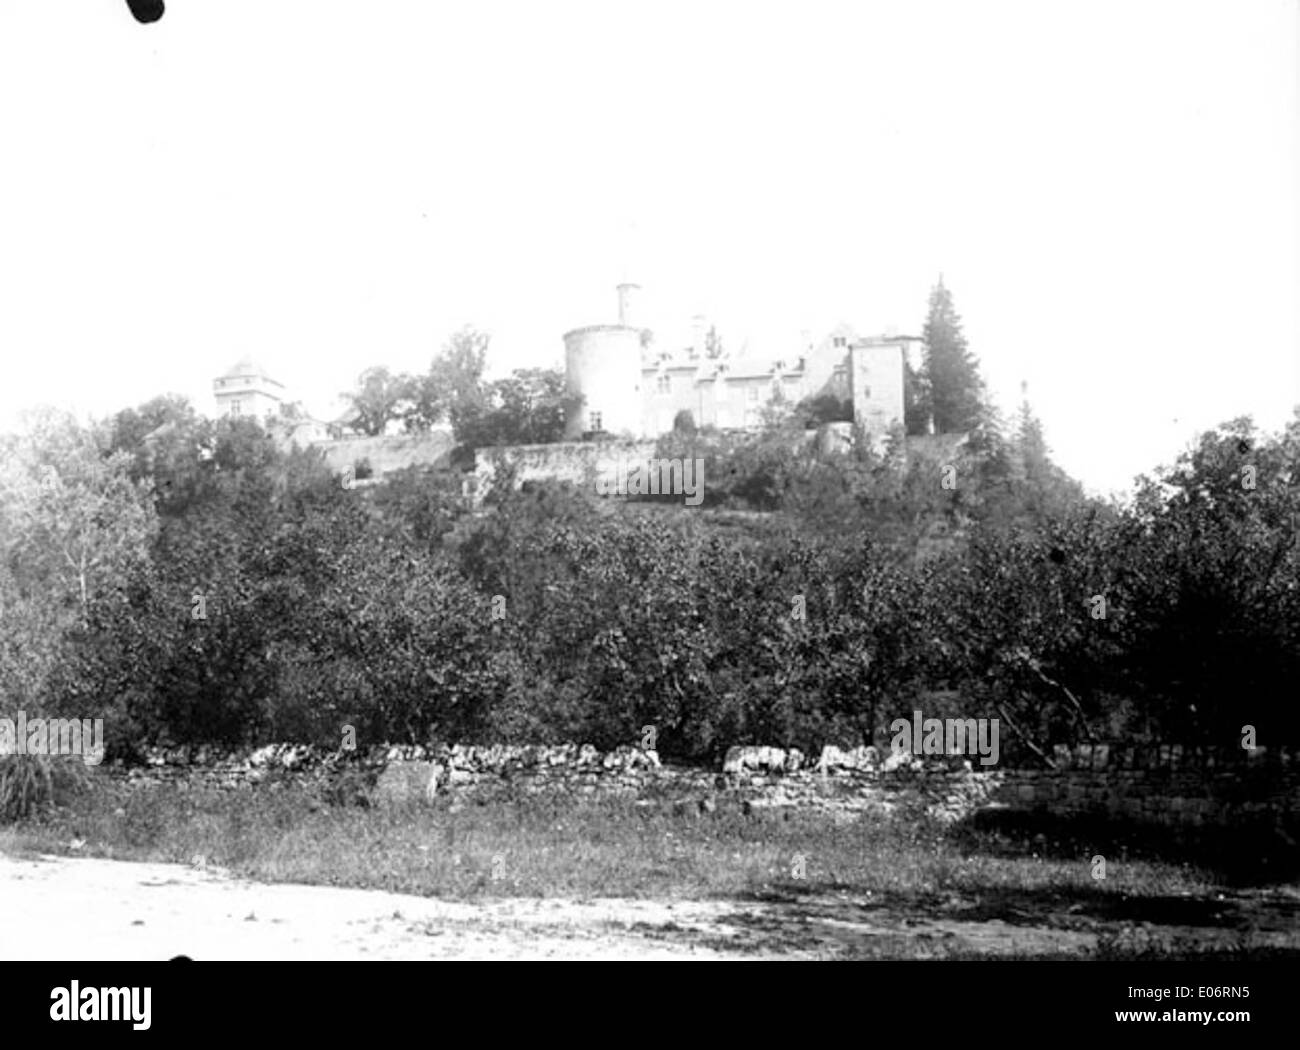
{"x":1109,"y":189}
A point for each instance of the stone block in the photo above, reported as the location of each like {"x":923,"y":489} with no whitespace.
{"x":740,"y":759}
{"x":414,"y":781}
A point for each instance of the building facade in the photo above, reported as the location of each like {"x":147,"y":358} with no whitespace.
{"x":620,"y":386}
{"x":246,"y":390}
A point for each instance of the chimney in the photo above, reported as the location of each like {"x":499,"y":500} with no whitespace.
{"x":699,"y":332}
{"x":627,"y":296}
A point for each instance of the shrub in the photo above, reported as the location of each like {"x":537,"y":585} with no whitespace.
{"x":29,"y":783}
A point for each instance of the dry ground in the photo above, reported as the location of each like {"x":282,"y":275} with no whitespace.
{"x":274,"y":872}
{"x":93,"y":909}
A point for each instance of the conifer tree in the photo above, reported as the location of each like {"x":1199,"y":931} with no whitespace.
{"x":1046,"y":487}
{"x":1030,"y":443}
{"x":956,"y":391}
{"x":917,"y":409}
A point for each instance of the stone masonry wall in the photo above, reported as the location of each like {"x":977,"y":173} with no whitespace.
{"x":1159,"y":784}
{"x":575,"y":461}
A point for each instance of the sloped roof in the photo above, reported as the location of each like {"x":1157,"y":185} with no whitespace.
{"x":245,"y":368}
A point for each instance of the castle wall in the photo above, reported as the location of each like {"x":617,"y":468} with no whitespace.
{"x":387,"y":454}
{"x":578,"y":462}
{"x":737,"y":400}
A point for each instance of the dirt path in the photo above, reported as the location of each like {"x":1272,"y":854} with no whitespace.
{"x":61,"y":908}
{"x":69,"y":908}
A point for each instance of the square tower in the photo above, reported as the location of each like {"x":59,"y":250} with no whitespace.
{"x":876,"y":383}
{"x":246,"y":390}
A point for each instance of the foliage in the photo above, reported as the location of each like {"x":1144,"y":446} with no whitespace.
{"x":713,"y":345}
{"x":825,"y":408}
{"x":29,"y":783}
{"x":526,"y":408}
{"x":684,"y":422}
{"x":380,"y":398}
{"x":73,"y":524}
{"x":453,"y":384}
{"x":190,"y":581}
{"x":950,"y":388}
{"x":917,"y":399}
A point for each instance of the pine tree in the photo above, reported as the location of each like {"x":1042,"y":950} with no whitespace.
{"x":917,"y":409}
{"x":1030,"y":444}
{"x":956,"y":389}
{"x":713,"y":348}
{"x":1045,"y":486}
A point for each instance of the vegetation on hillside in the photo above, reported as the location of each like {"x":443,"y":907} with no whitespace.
{"x":188,"y":581}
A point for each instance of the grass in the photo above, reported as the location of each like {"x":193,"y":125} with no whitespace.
{"x":28,"y":783}
{"x":805,"y":871}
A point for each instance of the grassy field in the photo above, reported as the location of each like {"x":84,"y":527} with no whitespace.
{"x":822,"y":872}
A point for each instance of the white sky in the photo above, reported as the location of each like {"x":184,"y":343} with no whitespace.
{"x":1110,"y":190}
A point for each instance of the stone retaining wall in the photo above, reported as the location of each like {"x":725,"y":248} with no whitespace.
{"x":1160,"y":784}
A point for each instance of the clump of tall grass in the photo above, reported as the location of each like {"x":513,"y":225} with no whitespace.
{"x":29,"y":783}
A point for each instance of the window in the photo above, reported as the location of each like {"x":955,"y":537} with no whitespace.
{"x":663,"y":385}
{"x":751,"y":393}
{"x":841,"y":341}
{"x":593,"y":421}
{"x":234,"y":408}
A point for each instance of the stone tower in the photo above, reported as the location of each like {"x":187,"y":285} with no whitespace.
{"x":246,"y":390}
{"x":602,"y":366}
{"x":876,"y":382}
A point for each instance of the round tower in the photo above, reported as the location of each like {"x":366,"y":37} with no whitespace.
{"x":602,"y":367}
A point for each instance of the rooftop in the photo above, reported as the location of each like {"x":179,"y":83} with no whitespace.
{"x":247,"y":368}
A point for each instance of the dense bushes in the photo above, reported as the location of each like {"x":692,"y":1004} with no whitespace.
{"x":275,"y":602}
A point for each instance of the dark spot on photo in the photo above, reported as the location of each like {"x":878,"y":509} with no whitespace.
{"x":146,"y":11}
